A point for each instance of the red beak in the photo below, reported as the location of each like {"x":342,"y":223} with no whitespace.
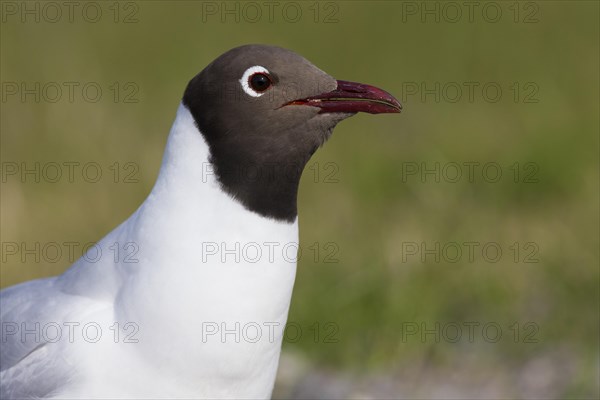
{"x":352,"y":97}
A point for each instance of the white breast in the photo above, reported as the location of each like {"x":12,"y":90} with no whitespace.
{"x":207,"y":291}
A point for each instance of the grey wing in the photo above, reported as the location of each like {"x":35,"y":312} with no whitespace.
{"x":38,"y":375}
{"x":32,"y":364}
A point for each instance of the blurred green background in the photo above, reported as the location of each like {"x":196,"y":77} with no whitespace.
{"x":363,"y":210}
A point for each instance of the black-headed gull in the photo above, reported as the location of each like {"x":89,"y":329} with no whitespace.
{"x":199,"y":310}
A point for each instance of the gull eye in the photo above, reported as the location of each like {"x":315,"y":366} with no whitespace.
{"x":260,"y":82}
{"x":256,"y":80}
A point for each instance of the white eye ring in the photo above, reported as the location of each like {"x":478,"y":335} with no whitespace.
{"x":244,"y":80}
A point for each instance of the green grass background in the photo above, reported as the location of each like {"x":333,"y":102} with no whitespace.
{"x":371,"y":210}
